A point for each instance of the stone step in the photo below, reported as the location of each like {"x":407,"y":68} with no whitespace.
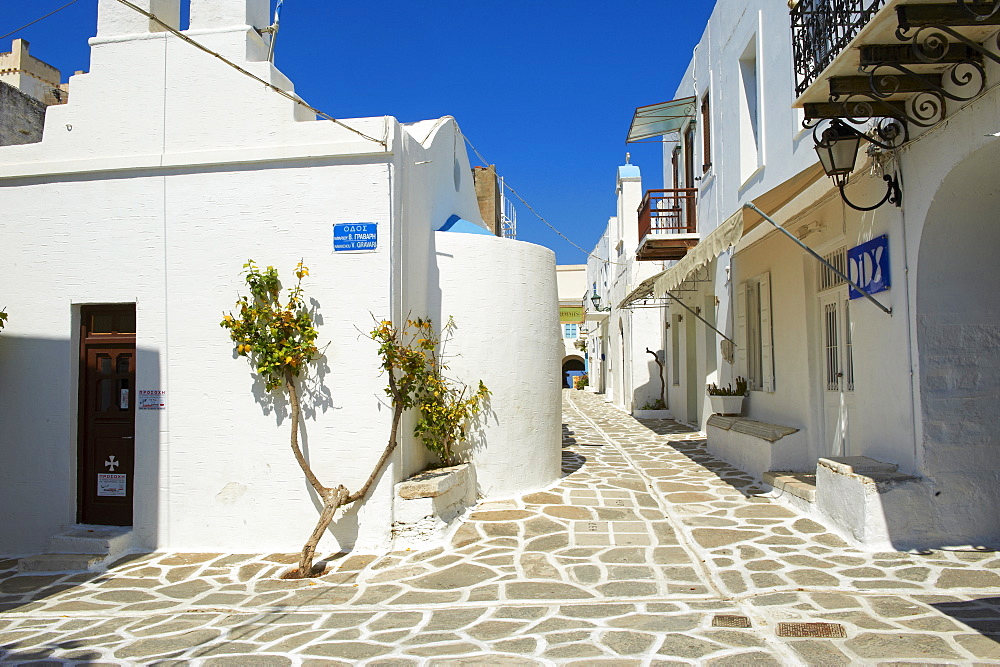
{"x":61,"y":562}
{"x":799,"y":484}
{"x":86,"y":539}
{"x":857,"y":465}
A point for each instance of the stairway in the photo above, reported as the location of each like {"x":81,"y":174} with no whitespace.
{"x":81,"y":548}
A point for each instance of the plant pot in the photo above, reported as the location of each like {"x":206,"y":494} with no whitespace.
{"x":727,"y":405}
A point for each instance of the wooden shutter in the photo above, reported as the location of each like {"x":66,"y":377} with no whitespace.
{"x":766,"y":336}
{"x":706,"y":133}
{"x":741,"y":330}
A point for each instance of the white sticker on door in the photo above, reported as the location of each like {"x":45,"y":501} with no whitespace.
{"x":110,"y":485}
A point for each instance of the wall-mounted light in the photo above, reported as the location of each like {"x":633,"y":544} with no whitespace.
{"x":838,"y":151}
{"x":596,"y":300}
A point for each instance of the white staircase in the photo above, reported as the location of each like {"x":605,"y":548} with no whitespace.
{"x":81,"y":548}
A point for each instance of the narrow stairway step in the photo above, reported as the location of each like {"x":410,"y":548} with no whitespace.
{"x":60,"y":562}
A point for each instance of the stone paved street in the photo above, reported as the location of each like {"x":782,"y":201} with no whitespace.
{"x":648,"y":551}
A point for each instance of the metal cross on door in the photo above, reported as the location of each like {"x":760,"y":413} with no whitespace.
{"x":106,"y":462}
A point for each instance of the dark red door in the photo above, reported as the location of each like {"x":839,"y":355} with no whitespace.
{"x":106,"y":463}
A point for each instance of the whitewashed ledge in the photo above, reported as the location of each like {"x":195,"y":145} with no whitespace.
{"x":757,"y":447}
{"x":429,"y":503}
{"x":651,"y":414}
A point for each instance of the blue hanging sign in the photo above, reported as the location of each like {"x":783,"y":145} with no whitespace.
{"x":355,"y":237}
{"x":868,"y":266}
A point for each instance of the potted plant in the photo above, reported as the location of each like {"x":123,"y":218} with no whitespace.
{"x":727,"y":400}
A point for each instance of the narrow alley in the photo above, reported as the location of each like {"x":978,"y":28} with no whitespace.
{"x":649,"y":551}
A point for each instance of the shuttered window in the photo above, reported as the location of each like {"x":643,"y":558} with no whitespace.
{"x":706,"y":133}
{"x":754,"y":336}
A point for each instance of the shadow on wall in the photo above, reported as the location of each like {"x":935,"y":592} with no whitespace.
{"x":39,"y":442}
{"x":958,"y":333}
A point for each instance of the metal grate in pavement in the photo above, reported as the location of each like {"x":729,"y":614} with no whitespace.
{"x":822,"y":630}
{"x":730,"y":621}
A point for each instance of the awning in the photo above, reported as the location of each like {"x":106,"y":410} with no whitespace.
{"x":657,"y":120}
{"x":724,"y":236}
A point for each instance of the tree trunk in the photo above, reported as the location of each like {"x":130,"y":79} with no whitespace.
{"x":663,"y":382}
{"x":333,"y":498}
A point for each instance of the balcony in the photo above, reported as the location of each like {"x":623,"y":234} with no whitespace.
{"x":912,"y":60}
{"x":668,"y":225}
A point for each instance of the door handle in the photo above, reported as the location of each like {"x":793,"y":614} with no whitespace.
{"x":128,"y":437}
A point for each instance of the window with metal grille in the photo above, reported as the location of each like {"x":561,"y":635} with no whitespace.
{"x":831,"y":326}
{"x":827,"y":278}
{"x":848,"y":348}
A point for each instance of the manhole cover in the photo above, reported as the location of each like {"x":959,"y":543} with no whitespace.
{"x":824,"y":630}
{"x":729,"y":621}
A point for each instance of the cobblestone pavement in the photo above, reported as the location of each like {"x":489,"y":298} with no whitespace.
{"x":648,"y":551}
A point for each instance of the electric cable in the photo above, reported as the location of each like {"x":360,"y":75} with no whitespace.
{"x":177,"y":33}
{"x":537,"y":215}
{"x":26,"y":25}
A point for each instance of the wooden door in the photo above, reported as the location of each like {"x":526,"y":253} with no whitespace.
{"x":106,"y":458}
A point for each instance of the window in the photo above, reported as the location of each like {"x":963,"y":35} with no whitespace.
{"x":569,"y":330}
{"x":749,"y":113}
{"x":755,"y":346}
{"x":706,"y":133}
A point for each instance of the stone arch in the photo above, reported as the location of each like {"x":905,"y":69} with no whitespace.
{"x":958,"y":346}
{"x":571,"y":362}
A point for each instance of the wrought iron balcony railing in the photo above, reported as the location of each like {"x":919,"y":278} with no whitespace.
{"x":668,"y":212}
{"x":821,"y":29}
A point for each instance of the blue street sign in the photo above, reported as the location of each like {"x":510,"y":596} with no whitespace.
{"x":868,"y":266}
{"x":355,"y":236}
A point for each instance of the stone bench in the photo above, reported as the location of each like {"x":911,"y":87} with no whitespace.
{"x":871,"y":501}
{"x":427,"y":504}
{"x":757,"y":447}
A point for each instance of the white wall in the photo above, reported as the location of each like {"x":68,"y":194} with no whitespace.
{"x":503,"y":298}
{"x":164,"y":174}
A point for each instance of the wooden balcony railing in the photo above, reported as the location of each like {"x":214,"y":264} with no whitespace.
{"x":668,"y":212}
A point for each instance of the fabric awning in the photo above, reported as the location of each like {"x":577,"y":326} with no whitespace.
{"x":656,"y":120}
{"x":724,"y":236}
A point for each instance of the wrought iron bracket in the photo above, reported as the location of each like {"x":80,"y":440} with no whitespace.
{"x":893,"y":195}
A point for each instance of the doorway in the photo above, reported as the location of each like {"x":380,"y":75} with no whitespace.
{"x":838,"y":370}
{"x":106,"y":446}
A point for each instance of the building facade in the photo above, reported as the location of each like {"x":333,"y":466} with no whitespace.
{"x":123,"y":401}
{"x":872,"y":413}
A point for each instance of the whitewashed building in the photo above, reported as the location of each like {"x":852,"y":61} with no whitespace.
{"x":571,"y":281}
{"x":618,"y":338}
{"x":875,"y":416}
{"x":124,"y":231}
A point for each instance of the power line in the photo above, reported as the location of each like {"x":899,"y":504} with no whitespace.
{"x":177,"y":33}
{"x":26,"y":25}
{"x":531,"y":208}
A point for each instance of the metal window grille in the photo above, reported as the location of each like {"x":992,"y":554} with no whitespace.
{"x":828,"y":279}
{"x":831,"y":326}
{"x":848,"y":349}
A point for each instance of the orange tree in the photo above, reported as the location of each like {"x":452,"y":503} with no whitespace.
{"x":279,"y":339}
{"x":445,"y":408}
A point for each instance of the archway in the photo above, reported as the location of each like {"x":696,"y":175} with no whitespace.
{"x":571,"y":365}
{"x":958,"y":343}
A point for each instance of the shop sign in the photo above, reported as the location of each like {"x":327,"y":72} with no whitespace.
{"x":570,"y":314}
{"x":868,"y":266}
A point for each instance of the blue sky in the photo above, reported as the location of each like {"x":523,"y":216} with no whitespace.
{"x":545,"y":90}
